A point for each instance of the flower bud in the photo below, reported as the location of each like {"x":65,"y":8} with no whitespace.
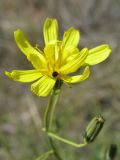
{"x":111,"y":152}
{"x":93,"y":128}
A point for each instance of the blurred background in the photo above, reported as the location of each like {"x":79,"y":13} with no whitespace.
{"x":21,"y":112}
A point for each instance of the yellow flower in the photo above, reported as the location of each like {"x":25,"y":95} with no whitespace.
{"x":57,"y":60}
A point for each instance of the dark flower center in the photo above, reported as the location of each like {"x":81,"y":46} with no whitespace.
{"x":55,"y":74}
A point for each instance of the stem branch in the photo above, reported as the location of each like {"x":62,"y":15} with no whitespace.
{"x":79,"y":145}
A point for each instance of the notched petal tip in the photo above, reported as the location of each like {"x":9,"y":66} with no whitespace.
{"x":8,"y":74}
{"x":24,"y":75}
{"x":11,"y":75}
{"x":18,"y":34}
{"x":43,"y":86}
{"x":78,"y":78}
{"x":36,"y":92}
{"x":17,"y":31}
{"x":32,"y":54}
{"x":49,"y":20}
{"x":50,"y":31}
{"x":70,"y":38}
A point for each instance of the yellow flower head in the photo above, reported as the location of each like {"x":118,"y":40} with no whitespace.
{"x":58,"y":59}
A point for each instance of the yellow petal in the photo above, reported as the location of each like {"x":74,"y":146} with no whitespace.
{"x":74,"y":62}
{"x":66,"y":54}
{"x":24,"y":76}
{"x":50,"y":31}
{"x":69,"y":43}
{"x":78,"y":78}
{"x":35,"y":57}
{"x":70,"y":39}
{"x":53,"y":56}
{"x":98,"y":54}
{"x":43,"y":86}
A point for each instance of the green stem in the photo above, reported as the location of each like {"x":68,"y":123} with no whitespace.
{"x":45,"y":155}
{"x":55,"y":149}
{"x":55,"y":100}
{"x":66,"y":141}
{"x":48,"y":117}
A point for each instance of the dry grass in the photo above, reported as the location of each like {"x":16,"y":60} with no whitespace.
{"x":20,"y":124}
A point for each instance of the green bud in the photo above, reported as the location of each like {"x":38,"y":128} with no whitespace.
{"x":93,"y":128}
{"x":111,"y":152}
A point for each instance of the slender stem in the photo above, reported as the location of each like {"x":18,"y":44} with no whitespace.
{"x":47,"y":112}
{"x":67,"y":141}
{"x":55,"y":149}
{"x":55,"y":100}
{"x":45,"y":155}
{"x":48,"y":117}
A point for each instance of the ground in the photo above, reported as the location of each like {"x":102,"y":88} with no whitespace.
{"x":21,"y":112}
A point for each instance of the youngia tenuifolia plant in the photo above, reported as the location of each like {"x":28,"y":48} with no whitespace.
{"x":53,"y":66}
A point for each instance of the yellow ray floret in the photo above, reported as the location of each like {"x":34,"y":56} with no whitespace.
{"x":58,"y":59}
